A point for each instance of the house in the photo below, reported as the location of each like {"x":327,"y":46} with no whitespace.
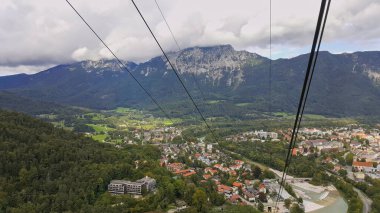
{"x":236,"y":167}
{"x":234,"y":199}
{"x":337,"y":168}
{"x":359,"y":176}
{"x":224,"y":189}
{"x":211,"y":171}
{"x":189,"y":174}
{"x":209,"y":147}
{"x":207,"y":176}
{"x":262,"y":188}
{"x":248,"y":182}
{"x":197,"y":155}
{"x":174,"y":167}
{"x":232,"y":172}
{"x":218,"y":166}
{"x":181,"y":205}
{"x":294,"y":152}
{"x":163,"y":162}
{"x":327,"y":160}
{"x":186,"y":172}
{"x":355,"y":144}
{"x":363,"y":166}
{"x":249,"y":196}
{"x":237,"y":184}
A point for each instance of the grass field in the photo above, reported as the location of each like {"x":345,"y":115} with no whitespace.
{"x":243,"y":104}
{"x":214,"y":101}
{"x":292,"y":116}
{"x":100,"y":128}
{"x":99,"y":138}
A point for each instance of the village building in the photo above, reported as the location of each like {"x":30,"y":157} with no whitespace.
{"x":129,"y":187}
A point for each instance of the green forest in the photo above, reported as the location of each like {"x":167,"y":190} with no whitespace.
{"x":47,"y":169}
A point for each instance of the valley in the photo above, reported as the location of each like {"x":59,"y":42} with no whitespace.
{"x":189,"y":106}
{"x":236,"y":167}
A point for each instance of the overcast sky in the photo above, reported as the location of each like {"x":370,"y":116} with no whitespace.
{"x":38,"y":34}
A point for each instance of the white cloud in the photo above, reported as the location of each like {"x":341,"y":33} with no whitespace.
{"x":44,"y":32}
{"x":12,"y":70}
{"x":80,"y":54}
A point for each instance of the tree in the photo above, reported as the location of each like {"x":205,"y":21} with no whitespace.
{"x":256,"y":172}
{"x":217,"y":199}
{"x":24,"y":176}
{"x":287,"y":203}
{"x":262,"y":197}
{"x":200,"y":200}
{"x":342,"y":172}
{"x":267,"y":174}
{"x":260,"y":207}
{"x":300,"y":200}
{"x":296,"y":209}
{"x":179,"y":186}
{"x":178,"y":140}
{"x":349,"y":158}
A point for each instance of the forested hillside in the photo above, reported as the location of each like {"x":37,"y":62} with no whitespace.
{"x":11,"y":101}
{"x":45,"y":169}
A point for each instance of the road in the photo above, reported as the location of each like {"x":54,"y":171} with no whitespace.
{"x":367,"y":202}
{"x":262,"y":166}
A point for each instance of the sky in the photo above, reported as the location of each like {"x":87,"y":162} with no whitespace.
{"x":38,"y":34}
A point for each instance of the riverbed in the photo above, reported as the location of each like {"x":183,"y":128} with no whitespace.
{"x":327,"y":200}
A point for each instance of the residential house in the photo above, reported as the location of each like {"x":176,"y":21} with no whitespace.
{"x":363,"y":166}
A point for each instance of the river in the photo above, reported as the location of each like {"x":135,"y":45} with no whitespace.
{"x":339,"y":205}
{"x":332,"y":203}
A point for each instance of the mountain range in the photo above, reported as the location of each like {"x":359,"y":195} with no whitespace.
{"x":231,"y":82}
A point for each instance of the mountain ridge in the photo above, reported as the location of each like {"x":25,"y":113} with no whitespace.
{"x":224,"y":73}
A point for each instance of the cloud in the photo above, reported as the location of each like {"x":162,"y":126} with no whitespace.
{"x":12,"y":70}
{"x":38,"y":33}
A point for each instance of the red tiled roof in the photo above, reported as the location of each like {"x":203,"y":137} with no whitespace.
{"x":294,"y":151}
{"x":189,"y":174}
{"x":362,"y":164}
{"x":237,"y":184}
{"x":224,"y":188}
{"x":234,"y":198}
{"x":182,"y":171}
{"x":207,"y":176}
{"x":262,"y":186}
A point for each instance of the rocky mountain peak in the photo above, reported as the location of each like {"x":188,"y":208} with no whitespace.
{"x":103,"y":65}
{"x":208,"y":59}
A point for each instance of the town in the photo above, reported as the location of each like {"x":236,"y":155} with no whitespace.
{"x":353,"y":149}
{"x":350,"y":151}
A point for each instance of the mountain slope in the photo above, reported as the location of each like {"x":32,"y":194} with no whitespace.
{"x":45,"y":169}
{"x":233,"y":83}
{"x":14,"y":102}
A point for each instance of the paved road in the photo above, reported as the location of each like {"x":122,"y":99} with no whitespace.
{"x":367,"y":202}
